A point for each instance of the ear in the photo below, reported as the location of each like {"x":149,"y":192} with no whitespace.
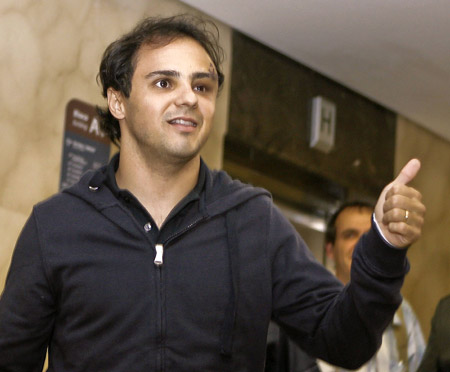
{"x":115,"y":104}
{"x":329,"y":250}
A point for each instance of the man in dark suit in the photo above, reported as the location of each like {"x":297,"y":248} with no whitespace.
{"x":437,"y":353}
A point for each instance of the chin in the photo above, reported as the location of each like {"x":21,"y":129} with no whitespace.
{"x":182,"y":157}
{"x":187,"y":152}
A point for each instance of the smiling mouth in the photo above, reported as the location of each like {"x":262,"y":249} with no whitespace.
{"x":183,"y":122}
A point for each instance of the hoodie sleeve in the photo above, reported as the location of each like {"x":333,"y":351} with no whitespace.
{"x":26,"y":307}
{"x":341,"y":325}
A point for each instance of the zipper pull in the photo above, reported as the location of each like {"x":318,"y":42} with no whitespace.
{"x":159,"y":254}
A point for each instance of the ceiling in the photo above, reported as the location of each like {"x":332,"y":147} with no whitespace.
{"x":396,"y":53}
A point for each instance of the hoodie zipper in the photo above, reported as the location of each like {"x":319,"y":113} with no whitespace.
{"x":159,"y":257}
{"x":159,"y":261}
{"x":159,"y":254}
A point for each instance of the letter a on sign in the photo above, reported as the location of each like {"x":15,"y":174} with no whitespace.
{"x":95,"y":127}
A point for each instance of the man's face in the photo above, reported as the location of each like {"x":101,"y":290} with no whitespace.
{"x":351,"y":223}
{"x":171,"y":106}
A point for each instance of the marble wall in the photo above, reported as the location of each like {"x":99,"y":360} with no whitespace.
{"x":429,"y":278}
{"x":51,"y":50}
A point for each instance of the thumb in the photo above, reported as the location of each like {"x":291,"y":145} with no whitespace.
{"x":408,"y":172}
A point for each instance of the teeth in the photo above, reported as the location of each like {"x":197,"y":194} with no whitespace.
{"x":182,"y":122}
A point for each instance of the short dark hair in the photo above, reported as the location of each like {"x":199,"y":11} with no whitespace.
{"x":330,"y":233}
{"x":119,"y":59}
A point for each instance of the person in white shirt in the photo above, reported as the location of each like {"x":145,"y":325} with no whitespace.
{"x":403,"y":344}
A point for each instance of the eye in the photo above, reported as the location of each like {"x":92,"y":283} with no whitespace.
{"x":162,"y":83}
{"x":200,"y":88}
{"x":350,"y":234}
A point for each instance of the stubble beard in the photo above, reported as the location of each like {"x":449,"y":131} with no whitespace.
{"x":169,"y":152}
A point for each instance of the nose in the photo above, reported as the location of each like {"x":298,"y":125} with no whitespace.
{"x":186,"y":96}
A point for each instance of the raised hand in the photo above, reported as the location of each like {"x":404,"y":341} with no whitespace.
{"x":399,"y":210}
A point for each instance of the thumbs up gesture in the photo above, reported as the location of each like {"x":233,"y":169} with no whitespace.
{"x":399,"y":210}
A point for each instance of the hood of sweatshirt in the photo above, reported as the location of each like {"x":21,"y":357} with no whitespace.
{"x":221,"y":192}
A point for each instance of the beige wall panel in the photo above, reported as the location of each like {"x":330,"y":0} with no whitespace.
{"x":429,"y":278}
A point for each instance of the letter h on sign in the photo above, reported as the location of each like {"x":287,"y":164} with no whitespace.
{"x":323,"y":124}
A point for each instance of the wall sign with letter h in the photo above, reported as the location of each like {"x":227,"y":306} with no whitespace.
{"x":323,"y":124}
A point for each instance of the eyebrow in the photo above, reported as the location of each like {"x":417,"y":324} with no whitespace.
{"x":173,"y":73}
{"x":204,"y":75}
{"x":349,"y":230}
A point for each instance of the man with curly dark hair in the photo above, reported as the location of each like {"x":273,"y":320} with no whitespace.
{"x":157,"y":263}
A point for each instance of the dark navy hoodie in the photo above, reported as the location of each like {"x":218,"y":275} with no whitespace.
{"x":86,"y":282}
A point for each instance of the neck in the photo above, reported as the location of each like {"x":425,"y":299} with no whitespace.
{"x":343,"y":277}
{"x":158,"y":187}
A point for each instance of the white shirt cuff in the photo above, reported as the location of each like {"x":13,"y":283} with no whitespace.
{"x":381,"y":233}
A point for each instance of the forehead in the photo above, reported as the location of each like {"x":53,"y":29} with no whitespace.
{"x":354,"y":217}
{"x":178,"y":54}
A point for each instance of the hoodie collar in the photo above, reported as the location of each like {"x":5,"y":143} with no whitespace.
{"x":113,"y":165}
{"x":217,"y":191}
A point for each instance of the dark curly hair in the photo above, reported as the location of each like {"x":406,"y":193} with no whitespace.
{"x":119,"y":59}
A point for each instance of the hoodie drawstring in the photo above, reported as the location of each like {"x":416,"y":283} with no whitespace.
{"x":230,"y":314}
